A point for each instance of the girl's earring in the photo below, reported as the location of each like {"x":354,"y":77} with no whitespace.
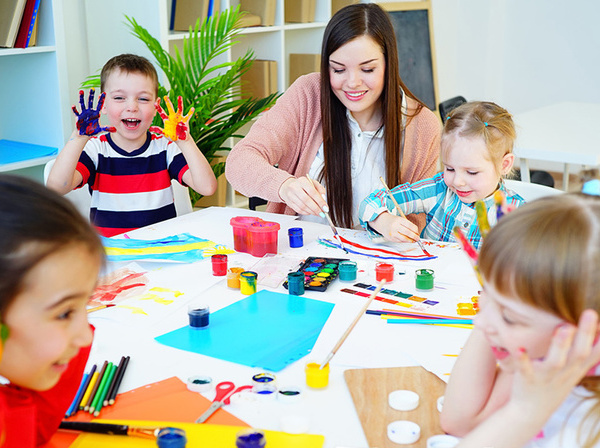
{"x":3,"y":337}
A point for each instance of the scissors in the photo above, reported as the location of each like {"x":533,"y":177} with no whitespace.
{"x":225,"y":390}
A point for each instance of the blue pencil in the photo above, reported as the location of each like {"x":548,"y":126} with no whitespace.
{"x":75,"y":404}
{"x":430,"y":321}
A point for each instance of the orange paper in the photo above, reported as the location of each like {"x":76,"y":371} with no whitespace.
{"x":167,"y":400}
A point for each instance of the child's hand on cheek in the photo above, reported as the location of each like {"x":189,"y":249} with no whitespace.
{"x":176,"y":124}
{"x":542,"y":385}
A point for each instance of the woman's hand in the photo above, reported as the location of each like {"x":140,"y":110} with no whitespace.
{"x":395,"y":228}
{"x":304,"y":196}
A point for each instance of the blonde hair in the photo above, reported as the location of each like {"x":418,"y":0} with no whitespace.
{"x":547,"y":255}
{"x":485,"y":120}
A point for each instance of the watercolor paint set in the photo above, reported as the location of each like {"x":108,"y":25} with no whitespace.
{"x":318,"y":272}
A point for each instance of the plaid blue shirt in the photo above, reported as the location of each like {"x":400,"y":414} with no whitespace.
{"x":443,"y":207}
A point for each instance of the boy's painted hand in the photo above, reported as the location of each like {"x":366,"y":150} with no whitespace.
{"x":176,"y":124}
{"x":88,"y":121}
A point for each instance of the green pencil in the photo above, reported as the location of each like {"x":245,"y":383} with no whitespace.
{"x":111,"y":374}
{"x":101,"y":387}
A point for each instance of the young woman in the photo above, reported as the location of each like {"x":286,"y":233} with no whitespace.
{"x":345,"y":128}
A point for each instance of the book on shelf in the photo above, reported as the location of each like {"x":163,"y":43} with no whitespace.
{"x":33,"y":39}
{"x":27,"y":24}
{"x":11,"y":12}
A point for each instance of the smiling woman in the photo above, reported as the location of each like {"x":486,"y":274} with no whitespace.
{"x":42,"y":311}
{"x":345,"y":127}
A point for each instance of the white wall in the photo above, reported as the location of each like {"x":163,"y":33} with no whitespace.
{"x":521,"y":54}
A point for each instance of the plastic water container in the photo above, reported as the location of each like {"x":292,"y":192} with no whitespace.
{"x":263,"y":238}
{"x":241,"y":236}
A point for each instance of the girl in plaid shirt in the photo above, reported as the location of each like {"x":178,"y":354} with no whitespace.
{"x":476,"y":153}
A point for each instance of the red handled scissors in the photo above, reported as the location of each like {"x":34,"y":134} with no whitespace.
{"x":225,"y":390}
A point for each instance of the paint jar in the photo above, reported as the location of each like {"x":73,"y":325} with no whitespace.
{"x":219,"y":264}
{"x":424,"y":279}
{"x":347,"y":271}
{"x":263,"y":238}
{"x":384,"y":271}
{"x":233,"y":277}
{"x":240,"y":226}
{"x":296,"y":237}
{"x":248,"y":280}
{"x":199,"y":315}
{"x":316,"y":377}
{"x":199,"y":383}
{"x":296,"y":283}
{"x":261,"y":379}
{"x":250,"y":438}
{"x":171,"y":438}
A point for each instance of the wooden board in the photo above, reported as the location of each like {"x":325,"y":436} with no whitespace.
{"x":370,"y":389}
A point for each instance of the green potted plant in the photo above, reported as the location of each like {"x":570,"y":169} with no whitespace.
{"x":213,"y":88}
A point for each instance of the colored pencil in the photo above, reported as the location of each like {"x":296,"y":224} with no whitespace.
{"x":100,"y":307}
{"x":100,"y":387}
{"x":353,"y":324}
{"x":429,"y":321}
{"x":115,"y":391}
{"x":114,"y":380}
{"x":96,"y":386}
{"x":104,"y":391}
{"x":422,"y":315}
{"x":74,"y":406}
{"x":85,"y":390}
{"x":147,"y":432}
{"x":391,"y":196}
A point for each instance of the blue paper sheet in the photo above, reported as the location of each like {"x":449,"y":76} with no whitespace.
{"x":267,"y":329}
{"x":13,"y":151}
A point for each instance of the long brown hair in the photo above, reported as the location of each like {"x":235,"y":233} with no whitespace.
{"x":363,"y":19}
{"x":547,"y":255}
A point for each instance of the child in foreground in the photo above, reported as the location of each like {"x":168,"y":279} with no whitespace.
{"x":49,"y":261}
{"x":476,"y":152}
{"x":528,"y":374}
{"x":128,"y":169}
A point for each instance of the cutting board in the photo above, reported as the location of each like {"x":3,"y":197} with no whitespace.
{"x":370,"y":389}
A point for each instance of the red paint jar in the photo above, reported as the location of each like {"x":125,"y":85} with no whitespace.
{"x":263,"y":238}
{"x":241,"y":237}
{"x":219,"y":264}
{"x":384,"y":271}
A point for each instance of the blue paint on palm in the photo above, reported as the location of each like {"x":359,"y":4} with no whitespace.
{"x":88,"y":121}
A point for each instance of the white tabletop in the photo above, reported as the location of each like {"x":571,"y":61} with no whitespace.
{"x":372,"y":343}
{"x":564,"y":132}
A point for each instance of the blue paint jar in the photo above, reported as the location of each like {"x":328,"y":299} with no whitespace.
{"x":296,"y":239}
{"x":296,"y":283}
{"x":347,"y":270}
{"x":171,"y":438}
{"x":199,"y":315}
{"x":250,"y":438}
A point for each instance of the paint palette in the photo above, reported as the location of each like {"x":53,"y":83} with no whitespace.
{"x":318,"y":272}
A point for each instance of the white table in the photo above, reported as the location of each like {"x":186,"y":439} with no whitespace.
{"x":372,"y":343}
{"x":566,"y":133}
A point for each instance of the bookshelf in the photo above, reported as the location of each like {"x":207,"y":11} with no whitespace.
{"x":269,"y":42}
{"x":33,"y":82}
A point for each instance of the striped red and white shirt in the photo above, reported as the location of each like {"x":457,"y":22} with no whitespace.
{"x":130,"y":189}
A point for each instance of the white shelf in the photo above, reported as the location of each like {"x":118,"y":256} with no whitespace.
{"x":24,"y":51}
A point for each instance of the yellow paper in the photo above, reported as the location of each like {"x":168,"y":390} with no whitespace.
{"x":198,"y":435}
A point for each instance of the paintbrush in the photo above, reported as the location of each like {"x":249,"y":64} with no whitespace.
{"x":333,"y":229}
{"x":100,"y":307}
{"x":146,"y":432}
{"x":352,"y":325}
{"x":391,"y":196}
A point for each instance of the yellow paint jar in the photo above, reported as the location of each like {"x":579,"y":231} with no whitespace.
{"x":233,"y":277}
{"x":248,"y":280}
{"x":316,"y":377}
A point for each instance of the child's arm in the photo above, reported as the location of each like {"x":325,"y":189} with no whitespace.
{"x":64,"y":177}
{"x":540,"y":386}
{"x":200,"y":175}
{"x":475,"y":389}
